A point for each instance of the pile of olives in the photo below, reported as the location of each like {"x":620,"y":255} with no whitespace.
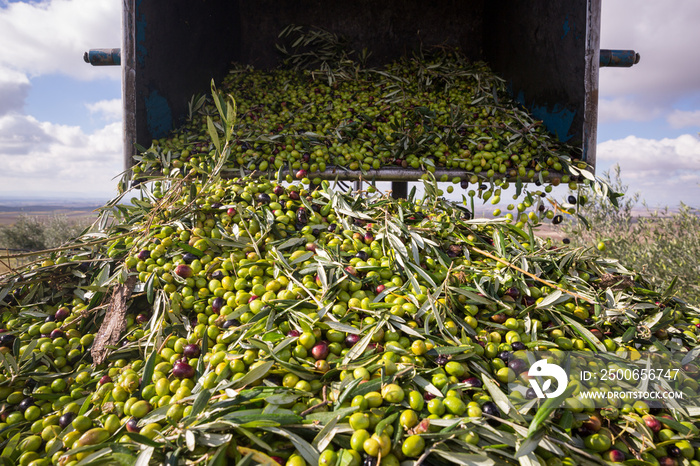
{"x":273,"y":320}
{"x":275,"y":323}
{"x":438,"y":114}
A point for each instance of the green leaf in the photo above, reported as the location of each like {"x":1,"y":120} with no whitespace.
{"x":379,"y":429}
{"x":306,"y":450}
{"x":11,"y":447}
{"x":547,"y":408}
{"x":187,"y":248}
{"x":549,"y":299}
{"x":360,"y":346}
{"x":254,"y":375}
{"x":464,"y":459}
{"x":149,"y":287}
{"x":584,"y":332}
{"x":144,"y":457}
{"x":156,"y":415}
{"x":200,"y":402}
{"x":219,"y":458}
{"x":325,"y":436}
{"x":148,"y":369}
{"x":328,"y":416}
{"x":213,"y":134}
{"x":530,"y":444}
{"x":501,"y":399}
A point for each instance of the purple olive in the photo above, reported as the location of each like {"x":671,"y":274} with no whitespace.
{"x":473,"y":382}
{"x":191,"y":351}
{"x":320,"y":350}
{"x":351,"y":339}
{"x":143,"y":255}
{"x":62,"y":313}
{"x":217,"y":304}
{"x":182,"y":370}
{"x":132,"y":425}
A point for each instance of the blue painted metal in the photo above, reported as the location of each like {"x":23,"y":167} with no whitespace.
{"x":103,"y":57}
{"x":159,"y":115}
{"x":556,"y":118}
{"x":618,"y":58}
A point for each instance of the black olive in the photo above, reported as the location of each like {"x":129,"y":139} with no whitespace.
{"x":188,"y":257}
{"x":518,"y":365}
{"x":557,"y":219}
{"x":264,"y":198}
{"x":25,"y":403}
{"x":7,"y":340}
{"x":66,"y":419}
{"x":490,"y":408}
{"x":302,"y":216}
{"x":518,"y":346}
{"x":231,"y":323}
{"x":362,"y":255}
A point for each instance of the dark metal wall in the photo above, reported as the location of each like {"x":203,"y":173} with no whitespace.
{"x":543,"y":48}
{"x":389,"y":29}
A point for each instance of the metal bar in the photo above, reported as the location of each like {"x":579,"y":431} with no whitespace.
{"x":618,"y":58}
{"x":400,"y":175}
{"x":590,"y":82}
{"x":103,"y":57}
{"x":129,"y":81}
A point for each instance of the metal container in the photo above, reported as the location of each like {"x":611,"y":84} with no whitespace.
{"x":547,"y":51}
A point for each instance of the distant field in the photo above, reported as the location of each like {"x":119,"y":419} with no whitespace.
{"x":9,"y":217}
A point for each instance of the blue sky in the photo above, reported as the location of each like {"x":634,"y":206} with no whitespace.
{"x":60,"y":119}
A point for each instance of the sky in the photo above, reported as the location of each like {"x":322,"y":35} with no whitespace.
{"x":60,"y":118}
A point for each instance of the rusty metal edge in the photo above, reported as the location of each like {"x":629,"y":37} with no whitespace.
{"x":590,"y":117}
{"x":129,"y":80}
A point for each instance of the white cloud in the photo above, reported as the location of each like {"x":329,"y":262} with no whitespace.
{"x":663,"y":33}
{"x":684,"y":119}
{"x":51,"y":36}
{"x":110,"y":110}
{"x":663,"y":171}
{"x":625,"y":108}
{"x":14,"y":87}
{"x":50,"y":159}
